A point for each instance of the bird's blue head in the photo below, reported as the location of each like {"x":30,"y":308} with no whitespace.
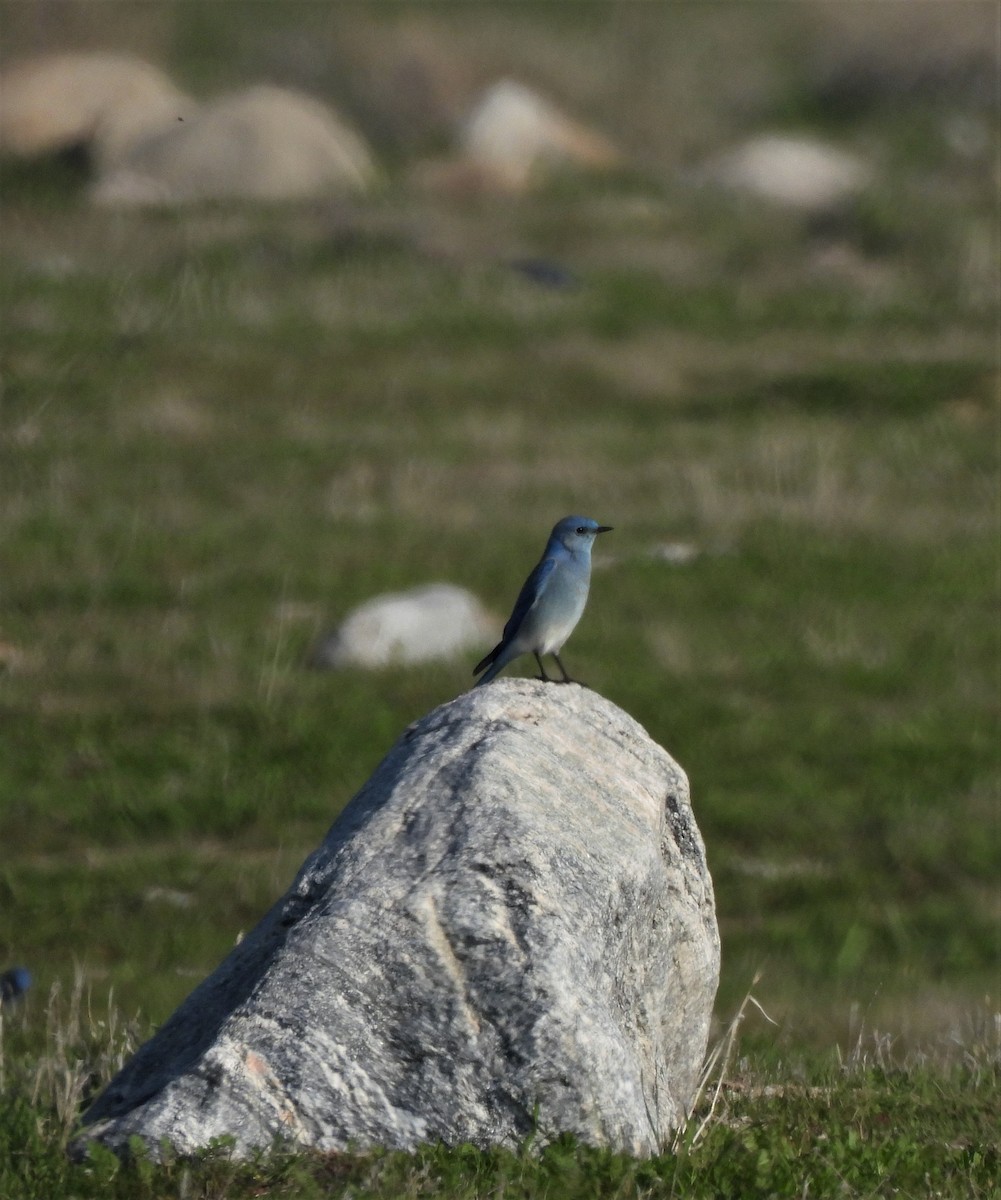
{"x":577,"y":533}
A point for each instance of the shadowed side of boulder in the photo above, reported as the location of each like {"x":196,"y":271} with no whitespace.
{"x":510,"y":928}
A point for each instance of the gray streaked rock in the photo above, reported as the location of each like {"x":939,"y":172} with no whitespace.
{"x":510,"y":927}
{"x":438,"y":620}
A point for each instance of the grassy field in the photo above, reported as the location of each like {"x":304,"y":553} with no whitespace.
{"x":220,"y":430}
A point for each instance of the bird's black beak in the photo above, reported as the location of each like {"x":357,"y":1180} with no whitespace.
{"x":604,"y":529}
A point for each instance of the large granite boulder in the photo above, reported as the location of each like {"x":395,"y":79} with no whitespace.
{"x":509,"y":929}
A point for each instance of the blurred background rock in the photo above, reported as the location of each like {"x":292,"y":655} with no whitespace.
{"x":669,"y":85}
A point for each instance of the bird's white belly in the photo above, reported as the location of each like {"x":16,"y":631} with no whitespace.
{"x":553,"y":643}
{"x":549,"y":624}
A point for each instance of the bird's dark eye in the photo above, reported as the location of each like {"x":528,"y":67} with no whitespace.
{"x":580,"y":529}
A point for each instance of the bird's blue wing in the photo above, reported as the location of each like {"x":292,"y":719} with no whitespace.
{"x":533,"y":588}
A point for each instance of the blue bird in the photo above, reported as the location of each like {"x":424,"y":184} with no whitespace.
{"x":13,"y":984}
{"x":551,"y":602}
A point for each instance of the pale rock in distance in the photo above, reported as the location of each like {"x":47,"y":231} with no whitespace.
{"x":263,"y":144}
{"x":797,"y":172}
{"x":513,"y":134}
{"x":438,"y":620}
{"x":103,"y":102}
{"x":509,"y":931}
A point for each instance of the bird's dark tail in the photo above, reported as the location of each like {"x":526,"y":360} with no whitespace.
{"x":488,"y":659}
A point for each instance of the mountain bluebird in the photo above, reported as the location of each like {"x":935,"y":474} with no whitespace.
{"x":551,"y":602}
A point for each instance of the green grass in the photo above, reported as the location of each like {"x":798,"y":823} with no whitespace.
{"x":221,"y":430}
{"x":745,"y":1156}
{"x":864,"y":1124}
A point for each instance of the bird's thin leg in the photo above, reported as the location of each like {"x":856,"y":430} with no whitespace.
{"x":566,"y":678}
{"x":542,"y":670}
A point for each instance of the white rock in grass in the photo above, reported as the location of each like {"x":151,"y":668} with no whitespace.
{"x":797,"y":172}
{"x":510,"y":929}
{"x":513,"y":133}
{"x":436,"y":621}
{"x":264,"y":143}
{"x":678,"y":554}
{"x":104,"y":102}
